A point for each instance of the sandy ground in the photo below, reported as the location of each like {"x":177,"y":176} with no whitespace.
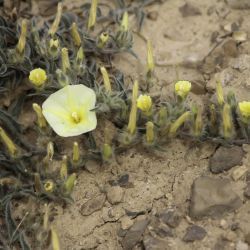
{"x":152,"y":183}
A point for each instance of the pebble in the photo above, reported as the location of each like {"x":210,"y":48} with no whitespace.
{"x":212,"y":197}
{"x":240,"y":36}
{"x":223,"y":224}
{"x":239,"y":172}
{"x":229,"y":236}
{"x":93,"y":205}
{"x":134,"y":235}
{"x":170,"y":217}
{"x":194,"y":233}
{"x":115,"y":194}
{"x":151,"y":243}
{"x":225,"y":158}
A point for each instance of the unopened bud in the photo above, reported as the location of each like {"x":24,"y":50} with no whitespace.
{"x":10,"y":145}
{"x":75,"y":35}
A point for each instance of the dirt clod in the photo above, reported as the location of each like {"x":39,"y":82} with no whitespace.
{"x":115,"y":194}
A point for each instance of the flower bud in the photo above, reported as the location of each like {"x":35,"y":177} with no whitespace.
{"x":40,"y":118}
{"x":50,"y":150}
{"x":92,"y":14}
{"x":76,"y":152}
{"x":182,"y":88}
{"x":10,"y":145}
{"x":244,"y":109}
{"x":53,"y":47}
{"x":162,"y":116}
{"x":178,"y":123}
{"x":107,"y":152}
{"x":150,"y":132}
{"x":38,"y":77}
{"x":219,"y":92}
{"x":64,"y":168}
{"x":54,"y":27}
{"x":106,"y":79}
{"x":65,"y":60}
{"x":227,"y":123}
{"x":69,"y":184}
{"x":22,"y":39}
{"x":75,"y":35}
{"x":133,"y":112}
{"x":124,"y":23}
{"x":54,"y":239}
{"x":144,"y":103}
{"x":198,"y":124}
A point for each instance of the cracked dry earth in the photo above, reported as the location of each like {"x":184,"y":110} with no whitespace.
{"x":191,"y":196}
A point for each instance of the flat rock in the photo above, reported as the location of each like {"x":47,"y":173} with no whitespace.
{"x":134,"y":235}
{"x":170,"y":217}
{"x":241,"y":245}
{"x":194,"y":233}
{"x":212,"y":197}
{"x":115,"y":194}
{"x":93,"y":205}
{"x":225,"y":158}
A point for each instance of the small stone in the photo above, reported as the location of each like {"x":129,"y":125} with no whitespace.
{"x":115,"y":194}
{"x":247,"y":191}
{"x":153,"y":15}
{"x":239,"y":172}
{"x":170,"y":217}
{"x":189,"y":10}
{"x":240,"y":36}
{"x":240,"y":245}
{"x":134,"y":235}
{"x":225,"y":158}
{"x":126,"y":222}
{"x":93,"y":205}
{"x":223,"y":224}
{"x":194,"y":233}
{"x":212,"y":197}
{"x":241,"y":63}
{"x":160,"y":229}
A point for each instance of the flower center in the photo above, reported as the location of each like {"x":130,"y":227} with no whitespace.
{"x":75,"y":117}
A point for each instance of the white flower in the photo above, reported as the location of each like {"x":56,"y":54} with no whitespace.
{"x":68,"y":111}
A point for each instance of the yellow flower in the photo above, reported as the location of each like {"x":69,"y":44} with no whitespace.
{"x":144,"y":103}
{"x":38,"y":77}
{"x":69,"y":110}
{"x":49,"y":186}
{"x":182,"y":88}
{"x":244,"y":108}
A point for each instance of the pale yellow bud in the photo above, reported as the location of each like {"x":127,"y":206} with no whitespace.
{"x":22,"y":39}
{"x":92,"y":14}
{"x":228,"y":128}
{"x":65,"y":60}
{"x":124,"y":23}
{"x":64,"y":168}
{"x":40,"y":118}
{"x":150,"y":136}
{"x":219,"y":92}
{"x":54,"y":239}
{"x":106,"y":79}
{"x":10,"y":145}
{"x":76,"y":152}
{"x":133,"y":112}
{"x":53,"y":29}
{"x":75,"y":35}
